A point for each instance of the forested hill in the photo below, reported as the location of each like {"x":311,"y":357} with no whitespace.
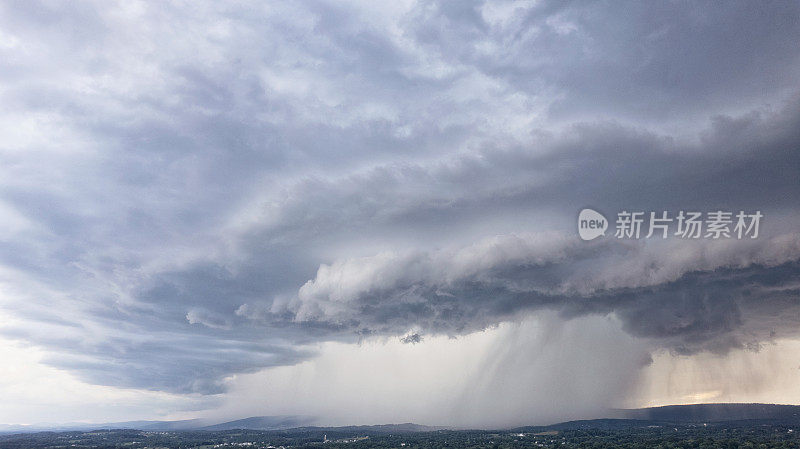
{"x":716,"y":413}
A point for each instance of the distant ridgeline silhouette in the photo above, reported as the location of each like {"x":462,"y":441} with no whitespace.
{"x":716,"y":412}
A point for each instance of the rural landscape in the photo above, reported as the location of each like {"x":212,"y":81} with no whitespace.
{"x":709,"y":426}
{"x":399,"y":224}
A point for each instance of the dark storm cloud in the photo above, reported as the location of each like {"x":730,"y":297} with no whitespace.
{"x":642,"y":62}
{"x":191,"y":193}
{"x":411,"y":339}
{"x":709,"y":297}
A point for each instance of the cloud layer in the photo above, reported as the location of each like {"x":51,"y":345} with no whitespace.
{"x":194,"y":191}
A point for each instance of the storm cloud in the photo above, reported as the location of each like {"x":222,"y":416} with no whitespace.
{"x":190,"y":192}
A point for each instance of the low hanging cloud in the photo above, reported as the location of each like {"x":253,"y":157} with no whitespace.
{"x":686,"y":295}
{"x":188,"y":193}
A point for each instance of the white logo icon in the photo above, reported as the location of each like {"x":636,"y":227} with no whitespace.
{"x":591,"y":224}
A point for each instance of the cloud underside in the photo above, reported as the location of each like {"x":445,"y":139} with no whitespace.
{"x":206,"y":192}
{"x":707,"y":297}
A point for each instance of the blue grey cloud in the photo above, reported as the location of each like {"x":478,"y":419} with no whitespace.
{"x":189,"y":192}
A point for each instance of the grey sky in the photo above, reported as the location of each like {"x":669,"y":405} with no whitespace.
{"x":192,"y":191}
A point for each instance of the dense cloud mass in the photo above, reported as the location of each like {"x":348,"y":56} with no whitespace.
{"x":190,"y":191}
{"x":706,"y":297}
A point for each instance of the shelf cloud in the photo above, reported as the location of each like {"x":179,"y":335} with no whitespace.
{"x":195,"y":192}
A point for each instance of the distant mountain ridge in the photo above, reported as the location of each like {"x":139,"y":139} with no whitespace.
{"x":252,"y":423}
{"x":686,"y":414}
{"x":263,"y":423}
{"x":716,"y":412}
